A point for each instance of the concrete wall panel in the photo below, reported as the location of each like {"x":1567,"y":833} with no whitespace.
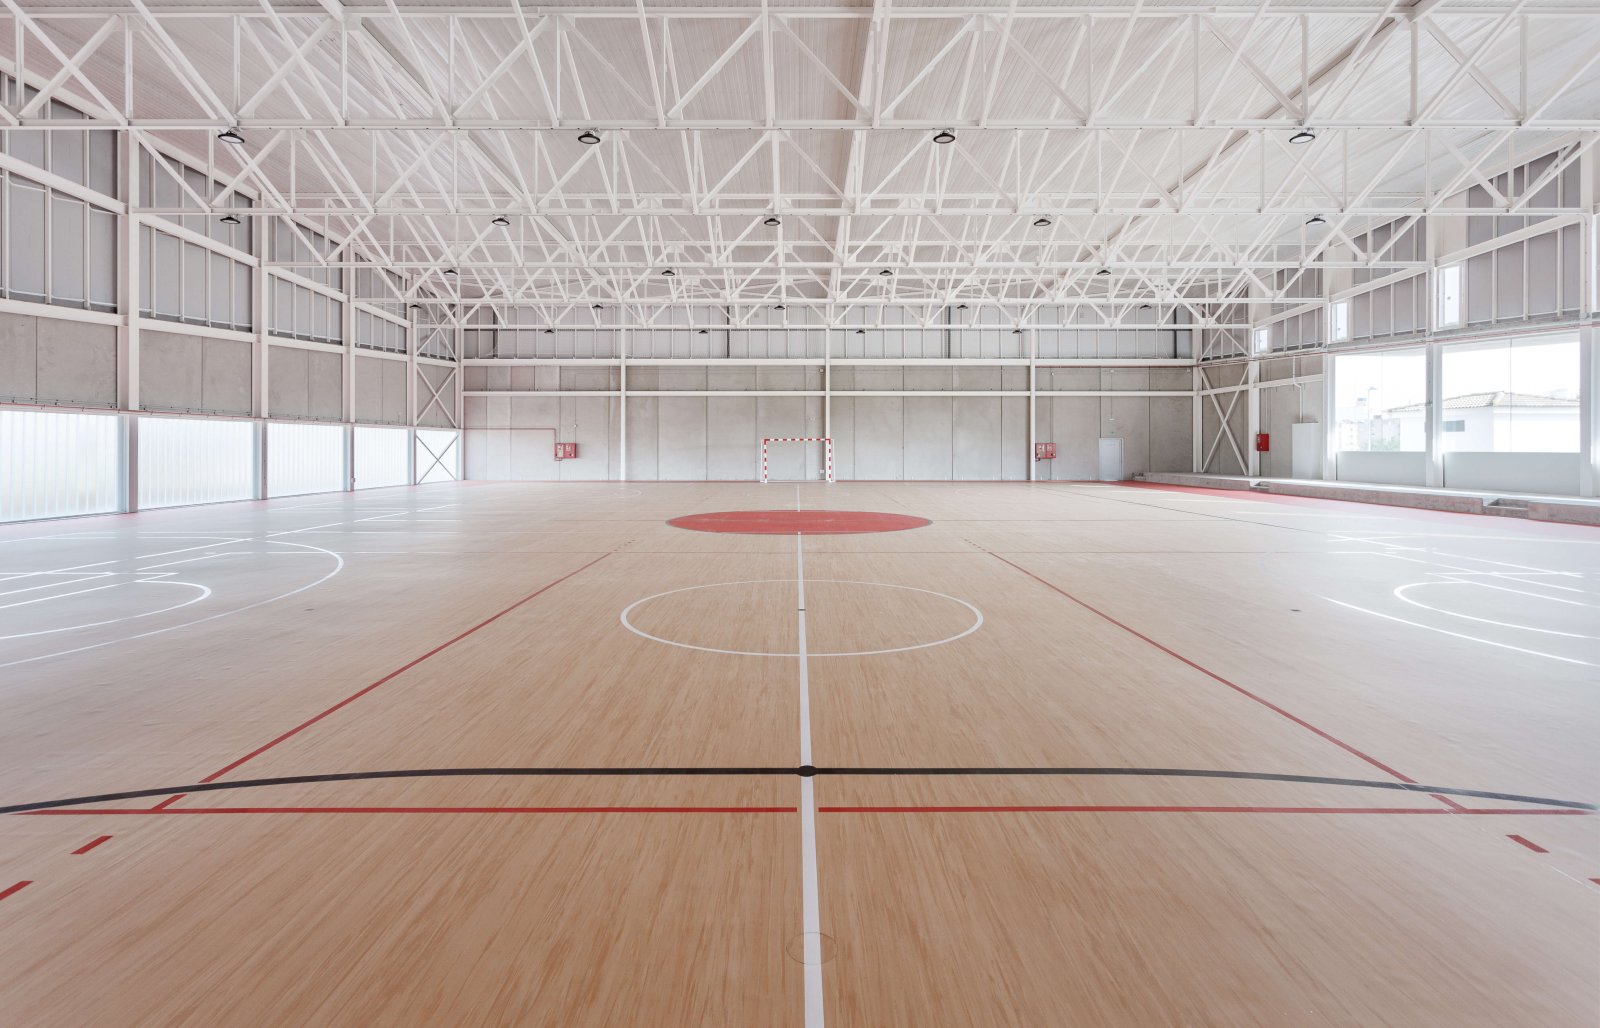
{"x":928,"y":430}
{"x":878,"y":437}
{"x":978,"y":437}
{"x":288,"y":382}
{"x":325,"y":394}
{"x":19,"y":357}
{"x":733,"y":439}
{"x":643,"y":430}
{"x":681,"y":438}
{"x":77,"y":362}
{"x":227,"y":374}
{"x":171,"y":372}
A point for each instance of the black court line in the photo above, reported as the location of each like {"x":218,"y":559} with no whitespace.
{"x":805,"y":771}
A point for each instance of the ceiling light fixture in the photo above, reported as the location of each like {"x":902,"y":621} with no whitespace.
{"x":229,"y":219}
{"x":944,"y":136}
{"x":597,"y":306}
{"x":549,"y":331}
{"x":704,"y":332}
{"x":1305,"y":135}
{"x":961,"y":306}
{"x":886,"y":271}
{"x":777,"y":307}
{"x":667,"y":272}
{"x":1103,"y":271}
{"x":449,"y":271}
{"x":1041,"y":222}
{"x":500,"y":221}
{"x":1317,"y":219}
{"x":773,"y":222}
{"x":588,"y":137}
{"x":230,"y":136}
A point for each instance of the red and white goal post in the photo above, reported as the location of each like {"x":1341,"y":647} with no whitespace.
{"x":827,"y":452}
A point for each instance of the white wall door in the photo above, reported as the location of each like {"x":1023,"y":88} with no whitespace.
{"x":1111,"y":459}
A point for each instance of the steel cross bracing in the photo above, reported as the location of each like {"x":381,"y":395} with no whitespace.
{"x":1155,"y":141}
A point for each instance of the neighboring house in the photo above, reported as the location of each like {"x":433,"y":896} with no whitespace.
{"x":1490,"y":422}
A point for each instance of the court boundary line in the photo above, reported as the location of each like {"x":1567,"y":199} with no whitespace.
{"x":1067,"y":808}
{"x":805,"y":772}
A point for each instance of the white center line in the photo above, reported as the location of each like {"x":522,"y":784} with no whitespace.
{"x":811,"y":916}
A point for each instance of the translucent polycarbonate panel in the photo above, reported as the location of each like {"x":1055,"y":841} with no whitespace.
{"x":438,"y":456}
{"x":55,"y":465}
{"x":195,"y":460}
{"x":304,"y":459}
{"x":381,"y":457}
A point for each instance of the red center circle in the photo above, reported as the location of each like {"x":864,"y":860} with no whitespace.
{"x":804,"y":522}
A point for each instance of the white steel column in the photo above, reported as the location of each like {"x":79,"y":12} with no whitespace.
{"x":129,"y":287}
{"x":1330,"y":427}
{"x":827,"y":388}
{"x":1033,"y":404}
{"x":259,"y":405}
{"x":347,"y":392}
{"x":622,"y":405}
{"x":1252,"y":411}
{"x":1433,"y":416}
{"x":1589,"y":411}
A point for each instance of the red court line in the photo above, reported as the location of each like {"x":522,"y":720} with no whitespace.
{"x":302,"y":726}
{"x":86,"y":847}
{"x":1380,"y":765}
{"x":12,"y":890}
{"x":1519,"y":840}
{"x":169,"y":801}
{"x":1104,"y":809}
{"x":187,"y":811}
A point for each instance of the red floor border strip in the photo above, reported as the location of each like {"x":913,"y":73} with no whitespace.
{"x":1380,"y":765}
{"x":189,"y":811}
{"x":14,"y":889}
{"x":1113,"y":809}
{"x":302,"y":726}
{"x":1520,"y":841}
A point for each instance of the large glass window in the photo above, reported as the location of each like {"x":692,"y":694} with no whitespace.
{"x":57,"y":464}
{"x":1512,"y":395}
{"x":1381,"y":400}
{"x":304,"y":459}
{"x":193,"y":460}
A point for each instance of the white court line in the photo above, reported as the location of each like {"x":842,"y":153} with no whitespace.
{"x":1400,"y":594}
{"x":1461,"y":579}
{"x":977,"y":619}
{"x":204,"y":592}
{"x":57,"y":596}
{"x":811,"y":912}
{"x":1457,"y":635}
{"x":87,"y":576}
{"x":338,"y":567}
